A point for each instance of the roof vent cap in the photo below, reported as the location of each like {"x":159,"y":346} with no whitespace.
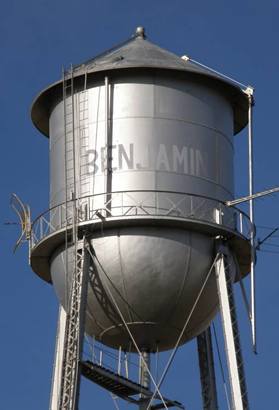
{"x":140,"y":32}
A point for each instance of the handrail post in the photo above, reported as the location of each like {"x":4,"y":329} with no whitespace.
{"x":241,"y":222}
{"x":119,"y":361}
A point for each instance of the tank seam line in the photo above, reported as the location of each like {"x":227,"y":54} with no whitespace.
{"x":171,"y":119}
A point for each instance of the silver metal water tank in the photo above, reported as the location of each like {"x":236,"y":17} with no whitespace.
{"x":150,"y":165}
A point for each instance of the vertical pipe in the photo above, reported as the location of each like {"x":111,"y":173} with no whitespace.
{"x":60,"y":217}
{"x":29,"y":235}
{"x":108,"y":136}
{"x":251,"y":214}
{"x":126,"y":365}
{"x":144,"y":377}
{"x":74,"y":219}
{"x":241,"y":223}
{"x":93,"y":351}
{"x":41,"y":228}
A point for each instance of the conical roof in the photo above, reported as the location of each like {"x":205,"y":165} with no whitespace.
{"x":139,"y":52}
{"x":136,"y":53}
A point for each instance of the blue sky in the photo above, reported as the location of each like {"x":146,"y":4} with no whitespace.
{"x":238,"y":38}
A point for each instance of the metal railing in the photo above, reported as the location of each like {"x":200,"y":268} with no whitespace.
{"x":121,"y":362}
{"x":135,"y":204}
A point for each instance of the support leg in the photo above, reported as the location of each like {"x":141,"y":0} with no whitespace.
{"x":239,"y":396}
{"x":207,"y":372}
{"x":58,"y":360}
{"x":74,"y":331}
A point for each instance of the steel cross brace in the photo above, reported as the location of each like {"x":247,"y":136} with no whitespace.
{"x":239,"y":397}
{"x":74,"y":331}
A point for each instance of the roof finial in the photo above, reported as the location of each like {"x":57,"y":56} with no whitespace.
{"x":140,"y":32}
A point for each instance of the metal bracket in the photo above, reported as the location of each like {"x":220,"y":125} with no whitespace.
{"x":249,"y":91}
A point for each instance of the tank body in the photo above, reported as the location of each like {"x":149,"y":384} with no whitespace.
{"x":168,"y":134}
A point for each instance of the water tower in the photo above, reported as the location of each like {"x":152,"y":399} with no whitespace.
{"x":140,"y":241}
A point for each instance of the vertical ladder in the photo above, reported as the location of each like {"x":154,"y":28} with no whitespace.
{"x":108,"y":137}
{"x":69,"y":131}
{"x":83,"y":143}
{"x":224,"y":278}
{"x":72,"y":342}
{"x":74,"y":331}
{"x":69,"y":169}
{"x":207,"y":372}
